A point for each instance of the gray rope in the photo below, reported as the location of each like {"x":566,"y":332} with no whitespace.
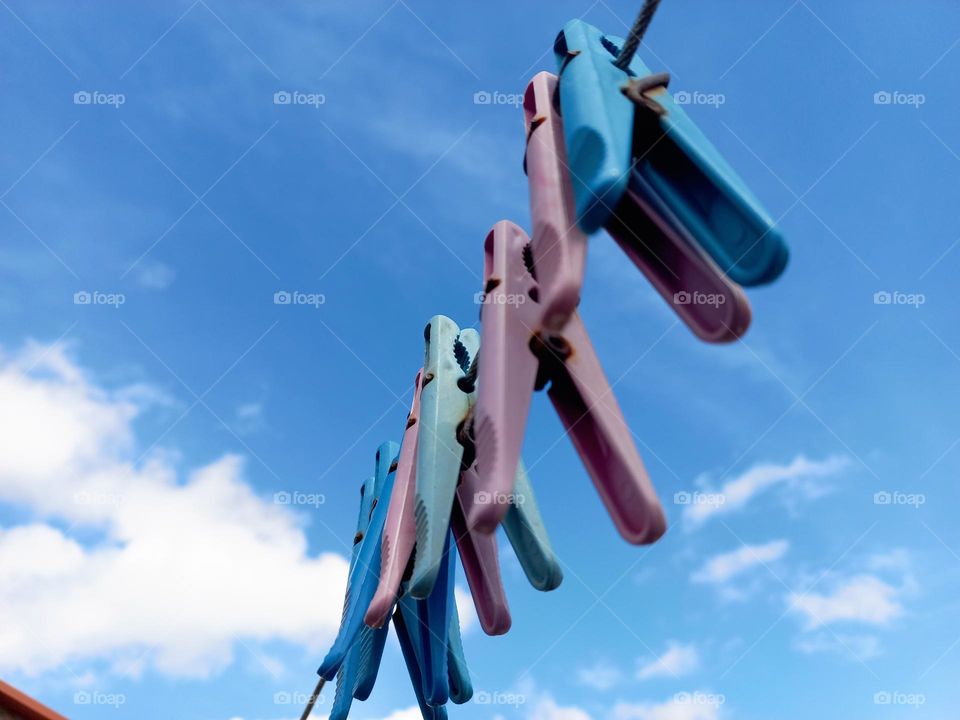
{"x":637,"y":32}
{"x":311,"y":701}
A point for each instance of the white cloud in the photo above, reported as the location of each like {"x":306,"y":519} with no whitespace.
{"x":725,"y":566}
{"x":410,"y":713}
{"x":738,"y":492}
{"x":679,"y":659}
{"x":600,"y":676}
{"x":547,"y":709}
{"x":465,"y":609}
{"x":171,"y":572}
{"x":683,"y":706}
{"x":155,"y":275}
{"x":863,"y":599}
{"x":861,"y":647}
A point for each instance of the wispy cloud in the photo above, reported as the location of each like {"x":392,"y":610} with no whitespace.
{"x":546,"y":708}
{"x":678,"y":659}
{"x":863,"y":647}
{"x":155,"y":275}
{"x":683,"y":706}
{"x":602,"y":675}
{"x":736,"y":494}
{"x":723,"y":567}
{"x":864,"y":599}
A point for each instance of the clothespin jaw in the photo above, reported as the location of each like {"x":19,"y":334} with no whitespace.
{"x":508,"y":370}
{"x":597,"y":121}
{"x":386,"y":463}
{"x":431,"y":628}
{"x":528,"y":536}
{"x":480,"y":558}
{"x":399,"y":532}
{"x":645,"y":228}
{"x":708,"y":197}
{"x":362,"y":579}
{"x":583,"y":399}
{"x":347,"y":672}
{"x":461,"y":686}
{"x":435,"y":615}
{"x":558,"y":251}
{"x":443,"y":408}
{"x":405,"y":621}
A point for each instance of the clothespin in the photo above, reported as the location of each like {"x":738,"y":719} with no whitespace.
{"x":533,"y":336}
{"x":447,"y":397}
{"x":352,"y":674}
{"x":713,"y":307}
{"x":620,"y":121}
{"x":365,"y":563}
{"x":478,"y":552}
{"x":443,"y":408}
{"x":439,"y":668}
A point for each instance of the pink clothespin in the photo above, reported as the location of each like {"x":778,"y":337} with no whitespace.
{"x":532,"y":335}
{"x":479,"y":554}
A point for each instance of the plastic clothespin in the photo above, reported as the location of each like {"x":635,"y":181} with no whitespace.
{"x":443,"y":408}
{"x":522,"y":522}
{"x":532,"y":335}
{"x":713,"y":307}
{"x":405,"y":621}
{"x":399,"y":531}
{"x":599,"y":102}
{"x":478,"y":551}
{"x":365,"y":564}
{"x":440,"y":668}
{"x":412,"y":625}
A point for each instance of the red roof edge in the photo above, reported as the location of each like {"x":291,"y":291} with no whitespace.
{"x":17,"y":702}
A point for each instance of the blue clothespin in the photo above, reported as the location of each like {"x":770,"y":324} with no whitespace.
{"x":599,"y":104}
{"x":365,"y":561}
{"x":437,"y":666}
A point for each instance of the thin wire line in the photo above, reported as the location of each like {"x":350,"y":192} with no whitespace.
{"x":637,"y":32}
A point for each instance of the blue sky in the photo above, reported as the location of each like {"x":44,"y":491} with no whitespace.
{"x":146,"y":570}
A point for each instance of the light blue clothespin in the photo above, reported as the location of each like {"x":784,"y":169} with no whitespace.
{"x":599,"y":105}
{"x":448,"y":395}
{"x":443,"y":409}
{"x":528,"y":536}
